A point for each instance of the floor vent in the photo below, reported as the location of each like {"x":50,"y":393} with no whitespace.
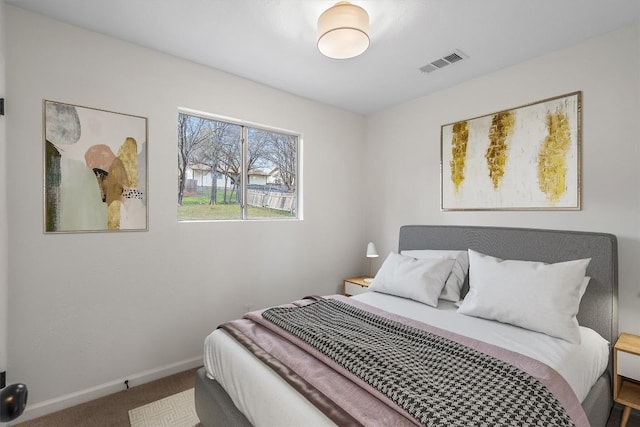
{"x":449,"y":59}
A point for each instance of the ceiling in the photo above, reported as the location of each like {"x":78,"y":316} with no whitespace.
{"x":274,"y":41}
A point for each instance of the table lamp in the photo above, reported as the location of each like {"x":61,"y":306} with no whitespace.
{"x":371,"y":253}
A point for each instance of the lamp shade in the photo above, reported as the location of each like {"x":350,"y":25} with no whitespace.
{"x":343,"y":31}
{"x":371,"y":251}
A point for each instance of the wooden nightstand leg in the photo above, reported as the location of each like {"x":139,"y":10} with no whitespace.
{"x":625,"y":416}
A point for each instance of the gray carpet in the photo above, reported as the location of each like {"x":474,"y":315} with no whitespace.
{"x":614,"y":420}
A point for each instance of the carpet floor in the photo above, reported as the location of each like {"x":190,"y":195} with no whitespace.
{"x":113,"y":410}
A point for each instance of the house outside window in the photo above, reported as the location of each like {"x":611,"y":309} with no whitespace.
{"x":231,"y":170}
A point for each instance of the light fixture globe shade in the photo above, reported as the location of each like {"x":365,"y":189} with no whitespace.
{"x":343,"y":31}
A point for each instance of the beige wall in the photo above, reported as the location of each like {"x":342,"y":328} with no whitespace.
{"x":403,"y":150}
{"x":89,"y":310}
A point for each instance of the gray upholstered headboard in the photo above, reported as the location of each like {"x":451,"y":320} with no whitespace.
{"x":598,"y":309}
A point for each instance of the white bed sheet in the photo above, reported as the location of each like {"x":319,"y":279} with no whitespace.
{"x":268,"y":400}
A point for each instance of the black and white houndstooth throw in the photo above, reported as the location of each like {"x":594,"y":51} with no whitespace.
{"x":436,"y":380}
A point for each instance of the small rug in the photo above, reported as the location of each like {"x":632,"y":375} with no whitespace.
{"x":177,"y":410}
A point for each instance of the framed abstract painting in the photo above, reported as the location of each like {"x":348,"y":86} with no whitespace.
{"x":525,"y":158}
{"x":95,"y":170}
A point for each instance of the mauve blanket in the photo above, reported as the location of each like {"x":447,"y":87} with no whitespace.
{"x":351,"y":392}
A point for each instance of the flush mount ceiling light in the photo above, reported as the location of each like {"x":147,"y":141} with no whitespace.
{"x":343,"y":31}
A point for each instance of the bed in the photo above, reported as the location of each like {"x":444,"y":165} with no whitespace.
{"x":252,"y":391}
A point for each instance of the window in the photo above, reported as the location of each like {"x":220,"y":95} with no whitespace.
{"x":229,"y":170}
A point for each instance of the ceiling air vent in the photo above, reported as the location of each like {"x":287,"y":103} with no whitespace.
{"x":449,"y":59}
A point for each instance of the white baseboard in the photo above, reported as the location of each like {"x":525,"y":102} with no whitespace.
{"x":76,"y":398}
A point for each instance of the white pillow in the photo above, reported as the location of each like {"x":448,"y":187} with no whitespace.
{"x":453,"y":286}
{"x":417,"y":279}
{"x":533,"y":295}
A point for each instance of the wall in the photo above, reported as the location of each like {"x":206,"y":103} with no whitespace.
{"x":90,"y":310}
{"x":404,"y":151}
{"x":79,"y":328}
{"x":4,"y":289}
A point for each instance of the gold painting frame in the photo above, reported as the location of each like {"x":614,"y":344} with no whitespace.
{"x":94,"y":169}
{"x":524,"y":158}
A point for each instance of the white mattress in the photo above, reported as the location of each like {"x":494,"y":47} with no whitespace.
{"x":267,"y":400}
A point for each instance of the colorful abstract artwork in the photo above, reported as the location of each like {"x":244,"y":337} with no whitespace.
{"x":95,"y":170}
{"x":526,"y":158}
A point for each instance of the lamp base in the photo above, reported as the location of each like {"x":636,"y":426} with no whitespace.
{"x":368,"y":280}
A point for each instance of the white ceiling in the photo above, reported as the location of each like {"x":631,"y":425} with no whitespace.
{"x":274,"y":41}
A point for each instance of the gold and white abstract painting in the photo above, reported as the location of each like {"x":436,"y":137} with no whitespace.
{"x":526,"y":158}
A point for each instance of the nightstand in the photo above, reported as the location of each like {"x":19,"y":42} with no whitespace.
{"x":355,"y":286}
{"x":626,"y":391}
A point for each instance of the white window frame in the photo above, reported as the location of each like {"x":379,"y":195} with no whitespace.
{"x":244,"y":156}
